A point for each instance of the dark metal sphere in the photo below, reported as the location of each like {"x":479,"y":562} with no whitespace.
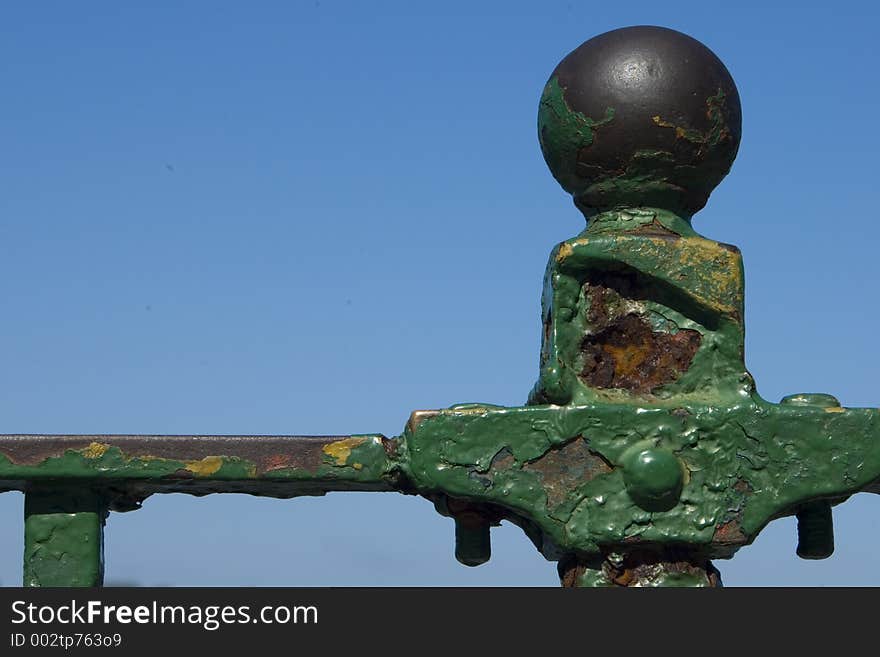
{"x":640,"y":117}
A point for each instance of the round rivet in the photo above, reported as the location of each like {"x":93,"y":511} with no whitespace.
{"x":653,"y":478}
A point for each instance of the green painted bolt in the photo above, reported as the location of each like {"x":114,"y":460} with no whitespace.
{"x":653,"y":477}
{"x":815,"y":524}
{"x":473,"y":545}
{"x":815,"y":530}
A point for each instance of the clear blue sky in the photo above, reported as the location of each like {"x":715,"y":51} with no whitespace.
{"x":314,"y":217}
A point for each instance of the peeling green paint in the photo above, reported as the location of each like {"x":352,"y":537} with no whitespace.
{"x":684,"y":281}
{"x":649,"y":176}
{"x":563,"y":132}
{"x":638,"y":221}
{"x":564,"y":467}
{"x":747,"y":463}
{"x":718,"y":130}
{"x":367,"y":466}
{"x":64,"y":543}
{"x":644,"y":449}
{"x":730,"y":461}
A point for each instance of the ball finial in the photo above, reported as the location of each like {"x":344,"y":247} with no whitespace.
{"x":640,"y":117}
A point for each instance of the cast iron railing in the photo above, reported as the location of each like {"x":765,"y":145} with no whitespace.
{"x":644,"y":450}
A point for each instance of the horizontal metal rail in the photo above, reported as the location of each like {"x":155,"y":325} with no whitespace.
{"x":267,"y":465}
{"x":71,"y":482}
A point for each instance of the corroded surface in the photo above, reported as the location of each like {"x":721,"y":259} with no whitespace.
{"x":282,"y":466}
{"x":562,"y":473}
{"x":656,"y":315}
{"x":746,"y":464}
{"x":644,"y":450}
{"x":627,"y":353}
{"x":642,"y":116}
{"x":71,"y":482}
{"x":640,"y":569}
{"x":561,"y":469}
{"x":347,"y":459}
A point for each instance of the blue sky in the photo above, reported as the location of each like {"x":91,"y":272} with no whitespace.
{"x":314,"y":217}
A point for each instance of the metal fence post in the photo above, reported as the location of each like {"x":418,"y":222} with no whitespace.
{"x":64,"y":537}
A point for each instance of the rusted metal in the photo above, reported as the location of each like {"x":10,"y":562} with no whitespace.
{"x":639,"y":569}
{"x":627,"y":354}
{"x":280,"y":466}
{"x":644,"y":450}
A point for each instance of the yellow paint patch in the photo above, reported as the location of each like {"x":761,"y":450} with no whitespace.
{"x":341,"y":449}
{"x":95,"y":450}
{"x":357,"y":466}
{"x":565,"y":250}
{"x":206,"y":466}
{"x":705,"y":269}
{"x":835,"y":409}
{"x":713,"y":272}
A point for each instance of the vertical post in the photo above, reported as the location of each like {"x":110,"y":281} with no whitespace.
{"x":64,"y":538}
{"x":639,"y":125}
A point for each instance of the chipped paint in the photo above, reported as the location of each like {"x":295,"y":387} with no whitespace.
{"x":95,"y":450}
{"x":662,"y":273}
{"x":718,"y":130}
{"x":564,"y":132}
{"x":206,"y":466}
{"x":564,"y":251}
{"x":490,"y":458}
{"x":644,"y":451}
{"x":265,"y":465}
{"x":341,"y":449}
{"x":650,"y":167}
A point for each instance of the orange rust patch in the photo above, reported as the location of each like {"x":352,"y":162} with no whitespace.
{"x":628,"y":354}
